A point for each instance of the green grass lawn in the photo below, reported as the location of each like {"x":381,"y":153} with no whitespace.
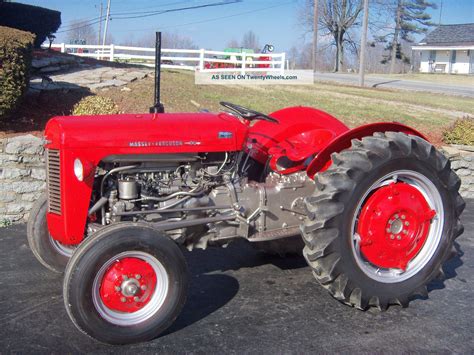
{"x":455,"y":79}
{"x":428,"y":112}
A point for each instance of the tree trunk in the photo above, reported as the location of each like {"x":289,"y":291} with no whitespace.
{"x":315,"y":35}
{"x":341,"y":50}
{"x":393,"y":50}
{"x":339,"y":38}
{"x":336,"y":62}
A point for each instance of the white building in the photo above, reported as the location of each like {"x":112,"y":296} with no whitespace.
{"x":447,"y":49}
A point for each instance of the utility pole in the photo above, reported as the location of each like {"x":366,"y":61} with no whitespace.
{"x":100,"y":25}
{"x":315,"y":35}
{"x":440,"y":12}
{"x":363,"y":43}
{"x":106,"y":22}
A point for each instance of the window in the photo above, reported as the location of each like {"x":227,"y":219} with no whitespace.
{"x":453,"y":57}
{"x":432,"y":56}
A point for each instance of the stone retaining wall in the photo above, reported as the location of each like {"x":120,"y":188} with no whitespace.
{"x":462,"y":162}
{"x":23,"y":174}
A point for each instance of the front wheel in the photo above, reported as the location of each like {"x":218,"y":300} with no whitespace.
{"x":382,"y":220}
{"x":125,"y":284}
{"x":49,"y":252}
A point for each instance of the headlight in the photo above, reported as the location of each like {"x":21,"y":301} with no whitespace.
{"x":78,"y":170}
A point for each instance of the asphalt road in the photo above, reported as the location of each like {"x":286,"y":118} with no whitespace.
{"x":402,"y":84}
{"x":242,"y":301}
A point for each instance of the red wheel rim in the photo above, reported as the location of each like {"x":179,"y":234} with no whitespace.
{"x":394,"y":225}
{"x":128,"y":285}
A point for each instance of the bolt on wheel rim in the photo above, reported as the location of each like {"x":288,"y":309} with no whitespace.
{"x":130,"y":288}
{"x":397,"y":226}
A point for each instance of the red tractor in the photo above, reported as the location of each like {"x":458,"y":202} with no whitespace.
{"x":377,"y":207}
{"x":235,"y":54}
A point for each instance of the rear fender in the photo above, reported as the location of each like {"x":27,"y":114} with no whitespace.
{"x":304,"y":130}
{"x":322,"y":161}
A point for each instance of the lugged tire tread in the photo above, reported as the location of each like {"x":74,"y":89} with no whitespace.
{"x":321,"y":249}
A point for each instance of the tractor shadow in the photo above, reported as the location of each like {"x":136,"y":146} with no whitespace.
{"x":212,"y":285}
{"x":449,"y":270}
{"x":449,"y":267}
{"x":211,"y":289}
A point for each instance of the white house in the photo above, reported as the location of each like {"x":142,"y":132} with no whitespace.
{"x":447,"y":49}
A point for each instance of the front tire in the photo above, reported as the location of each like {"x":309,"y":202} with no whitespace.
{"x":382,"y":220}
{"x":47,"y":251}
{"x":127,"y":283}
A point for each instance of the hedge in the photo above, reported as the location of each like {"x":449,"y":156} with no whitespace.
{"x":460,"y":132}
{"x":15,"y":59}
{"x":38,"y":20}
{"x":95,"y":105}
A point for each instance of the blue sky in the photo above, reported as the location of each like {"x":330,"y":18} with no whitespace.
{"x":274,"y":21}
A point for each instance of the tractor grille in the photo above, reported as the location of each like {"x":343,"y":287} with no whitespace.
{"x":53,"y":180}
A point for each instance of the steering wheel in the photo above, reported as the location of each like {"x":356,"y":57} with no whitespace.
{"x":247,"y":113}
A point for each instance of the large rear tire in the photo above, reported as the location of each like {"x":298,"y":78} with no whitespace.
{"x":382,"y":220}
{"x":49,"y":252}
{"x":127,"y":283}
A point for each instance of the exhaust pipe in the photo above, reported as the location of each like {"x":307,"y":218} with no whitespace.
{"x":157,"y":106}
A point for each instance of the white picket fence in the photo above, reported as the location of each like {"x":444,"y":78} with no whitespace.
{"x":187,"y":59}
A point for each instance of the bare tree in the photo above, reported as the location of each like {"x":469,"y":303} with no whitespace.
{"x":250,"y":40}
{"x":177,"y":41}
{"x":293,"y":57}
{"x":168,"y":40}
{"x":336,"y":18}
{"x":81,"y":32}
{"x":301,"y":57}
{"x":233,"y":43}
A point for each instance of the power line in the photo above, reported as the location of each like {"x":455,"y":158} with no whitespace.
{"x":150,"y":8}
{"x":179,"y":9}
{"x":84,"y":26}
{"x":96,"y":20}
{"x":215,"y":18}
{"x":75,"y":23}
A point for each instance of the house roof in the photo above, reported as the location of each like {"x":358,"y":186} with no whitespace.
{"x":454,"y":35}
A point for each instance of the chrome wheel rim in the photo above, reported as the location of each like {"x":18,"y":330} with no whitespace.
{"x":432,"y":196}
{"x":152,"y":306}
{"x":62,"y":249}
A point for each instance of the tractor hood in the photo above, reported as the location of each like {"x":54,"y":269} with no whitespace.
{"x":151,"y":133}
